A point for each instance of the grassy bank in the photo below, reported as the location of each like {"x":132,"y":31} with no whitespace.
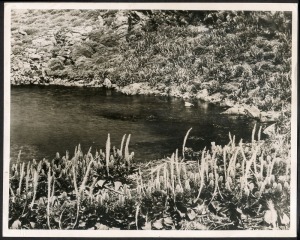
{"x":227,"y":57}
{"x":236,"y":186}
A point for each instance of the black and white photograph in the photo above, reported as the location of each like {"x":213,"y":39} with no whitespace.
{"x":135,"y":116}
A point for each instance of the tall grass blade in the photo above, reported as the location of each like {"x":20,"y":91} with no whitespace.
{"x":107,"y":151}
{"x":12,"y":191}
{"x":177,"y":168}
{"x":184,"y":141}
{"x":230,"y":138}
{"x":122,"y":144}
{"x":127,"y":150}
{"x":27,"y":178}
{"x":53,"y":187}
{"x":224,"y":160}
{"x":49,"y":196}
{"x":75,"y":180}
{"x":259,"y":134}
{"x":21,"y":177}
{"x":19,"y":157}
{"x":172,"y":173}
{"x":82,"y":187}
{"x":136,"y":216}
{"x":253,"y":133}
{"x":201,"y":177}
{"x":35,"y":183}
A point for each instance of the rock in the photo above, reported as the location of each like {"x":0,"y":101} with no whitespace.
{"x":61,"y":58}
{"x":30,"y":50}
{"x":132,"y":89}
{"x":227,"y":103}
{"x":270,"y":130}
{"x":25,"y":66}
{"x":100,"y":226}
{"x":16,"y":224}
{"x":69,"y":35}
{"x":161,"y":86}
{"x":14,"y":68}
{"x":120,"y":23}
{"x":205,"y":70}
{"x":235,"y":110}
{"x":81,"y":31}
{"x":269,"y":116}
{"x":186,"y":95}
{"x":174,"y":91}
{"x":80,"y":61}
{"x":44,"y":72}
{"x":114,"y":86}
{"x":53,"y":40}
{"x":198,"y":29}
{"x":254,"y":92}
{"x":210,"y":84}
{"x":94,"y":82}
{"x":188,"y":104}
{"x":215,"y":98}
{"x":100,"y":21}
{"x":107,"y":83}
{"x":231,"y":87}
{"x":79,"y":83}
{"x":88,"y":29}
{"x":22,"y":32}
{"x":68,"y":84}
{"x":122,"y":29}
{"x":41,"y":42}
{"x":252,"y":112}
{"x":120,"y":19}
{"x":145,"y":89}
{"x":202,"y":94}
{"x":35,"y":57}
{"x":142,"y":17}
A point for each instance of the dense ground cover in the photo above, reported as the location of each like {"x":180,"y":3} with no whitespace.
{"x":230,"y":57}
{"x":236,"y":186}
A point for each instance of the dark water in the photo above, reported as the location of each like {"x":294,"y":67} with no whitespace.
{"x":46,"y":120}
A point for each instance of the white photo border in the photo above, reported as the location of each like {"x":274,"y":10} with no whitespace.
{"x":292,"y":232}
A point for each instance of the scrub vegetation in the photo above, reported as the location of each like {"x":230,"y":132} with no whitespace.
{"x":238,"y":59}
{"x":236,"y":186}
{"x":227,"y":57}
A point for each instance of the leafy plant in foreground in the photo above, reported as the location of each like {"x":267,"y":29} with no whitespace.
{"x":237,"y":186}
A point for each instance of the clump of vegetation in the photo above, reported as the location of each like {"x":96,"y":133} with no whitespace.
{"x":237,"y":186}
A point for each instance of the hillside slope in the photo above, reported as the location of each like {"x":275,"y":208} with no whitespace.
{"x":240,"y":60}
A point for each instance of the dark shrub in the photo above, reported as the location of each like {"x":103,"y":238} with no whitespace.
{"x":55,"y":64}
{"x":31,"y":31}
{"x":82,"y":50}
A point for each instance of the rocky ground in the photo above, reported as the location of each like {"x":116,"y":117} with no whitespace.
{"x":180,"y":54}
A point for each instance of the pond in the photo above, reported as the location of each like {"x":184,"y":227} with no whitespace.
{"x":50,"y":119}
